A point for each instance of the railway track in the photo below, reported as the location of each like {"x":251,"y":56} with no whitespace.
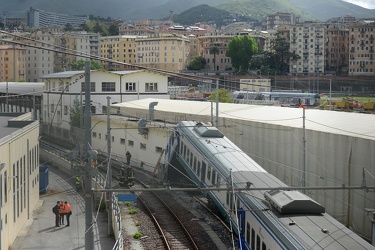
{"x":175,"y":235}
{"x":176,"y":227}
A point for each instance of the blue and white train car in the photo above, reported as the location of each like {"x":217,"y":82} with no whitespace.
{"x":269,"y":219}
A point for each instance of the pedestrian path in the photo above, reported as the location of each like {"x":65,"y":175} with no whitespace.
{"x":40,"y":232}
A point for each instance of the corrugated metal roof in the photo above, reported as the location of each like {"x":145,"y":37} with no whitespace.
{"x":345,"y":123}
{"x":65,"y":74}
{"x":22,"y":88}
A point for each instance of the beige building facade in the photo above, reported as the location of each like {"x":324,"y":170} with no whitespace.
{"x":165,"y":51}
{"x":362,"y":51}
{"x":337,"y":59}
{"x":12,"y":63}
{"x":19,"y":174}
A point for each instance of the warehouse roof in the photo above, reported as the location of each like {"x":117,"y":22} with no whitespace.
{"x":345,"y":123}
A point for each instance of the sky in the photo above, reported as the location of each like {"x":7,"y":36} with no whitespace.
{"x":369,"y":4}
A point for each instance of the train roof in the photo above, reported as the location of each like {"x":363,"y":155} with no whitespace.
{"x":296,"y":216}
{"x":22,"y":88}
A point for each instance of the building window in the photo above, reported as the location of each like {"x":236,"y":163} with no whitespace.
{"x":122,"y":141}
{"x":143,"y":146}
{"x":130,"y":86}
{"x":108,"y":86}
{"x":65,"y":110}
{"x":94,"y":134}
{"x":151,"y":86}
{"x":131,"y":143}
{"x":92,"y":87}
{"x":158,"y":149}
{"x":100,"y":136}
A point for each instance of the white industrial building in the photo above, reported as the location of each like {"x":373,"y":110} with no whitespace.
{"x":19,"y":173}
{"x":339,"y":147}
{"x":63,"y":89}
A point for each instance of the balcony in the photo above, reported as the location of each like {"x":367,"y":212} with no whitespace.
{"x":319,"y":36}
{"x":306,"y":36}
{"x":318,"y":53}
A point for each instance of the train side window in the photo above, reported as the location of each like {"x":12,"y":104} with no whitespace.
{"x":252,"y":238}
{"x":231,"y":200}
{"x":248,"y":233}
{"x":181,"y":147}
{"x":258,"y":243}
{"x":191,"y":159}
{"x":187,"y":155}
{"x":218,"y":179}
{"x":213,"y":177}
{"x":227,"y":200}
{"x":208,"y":172}
{"x":184,"y":151}
{"x":195,"y":164}
{"x":264,"y":247}
{"x":199,"y":169}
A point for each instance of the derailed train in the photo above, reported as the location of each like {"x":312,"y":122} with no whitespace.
{"x":269,"y":219}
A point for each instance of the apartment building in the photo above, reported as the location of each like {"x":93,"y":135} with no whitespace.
{"x":118,"y":48}
{"x":37,"y":18}
{"x":307,"y":40}
{"x":273,"y":21}
{"x":73,"y":46}
{"x":337,"y":49}
{"x":40,"y":62}
{"x":168,"y":52}
{"x":361,"y":44}
{"x":12,"y":63}
{"x":219,"y":61}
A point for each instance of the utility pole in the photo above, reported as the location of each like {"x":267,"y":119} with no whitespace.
{"x":217,"y":103}
{"x":88,"y":169}
{"x":330,"y":94}
{"x":109,"y":174}
{"x":304,"y":151}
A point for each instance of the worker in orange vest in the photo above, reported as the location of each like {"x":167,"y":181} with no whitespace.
{"x":68,"y":213}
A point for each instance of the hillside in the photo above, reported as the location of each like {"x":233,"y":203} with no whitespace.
{"x":203,"y":13}
{"x":326,"y":9}
{"x":151,"y":9}
{"x":258,"y":9}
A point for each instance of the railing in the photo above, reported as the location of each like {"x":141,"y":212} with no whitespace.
{"x":116,"y":214}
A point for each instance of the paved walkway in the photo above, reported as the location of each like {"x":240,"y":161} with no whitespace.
{"x":40,"y":232}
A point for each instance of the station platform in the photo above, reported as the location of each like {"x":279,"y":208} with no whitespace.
{"x":40,"y":232}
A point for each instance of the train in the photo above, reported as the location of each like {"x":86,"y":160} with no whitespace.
{"x":291,"y":98}
{"x":274,"y":216}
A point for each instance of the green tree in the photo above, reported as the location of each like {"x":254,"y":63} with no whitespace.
{"x":68,"y":27}
{"x":75,"y":114}
{"x":98,"y":28}
{"x":113,"y":30}
{"x":80,"y":65}
{"x":281,"y":54}
{"x":214,"y":50}
{"x":197,"y":63}
{"x":241,"y":49}
{"x":224,"y":96}
{"x":84,"y":27}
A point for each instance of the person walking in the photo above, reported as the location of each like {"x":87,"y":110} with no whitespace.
{"x":68,"y":212}
{"x":78,"y":183}
{"x":128,"y":156}
{"x":55,"y":210}
{"x":62,"y":212}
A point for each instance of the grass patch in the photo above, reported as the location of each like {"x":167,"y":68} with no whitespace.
{"x":133,"y":211}
{"x":137,"y":235}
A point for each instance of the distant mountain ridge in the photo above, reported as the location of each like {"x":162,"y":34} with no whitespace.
{"x":129,"y":10}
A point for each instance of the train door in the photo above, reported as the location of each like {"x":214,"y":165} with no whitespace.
{"x":241,"y":228}
{"x":203,"y":172}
